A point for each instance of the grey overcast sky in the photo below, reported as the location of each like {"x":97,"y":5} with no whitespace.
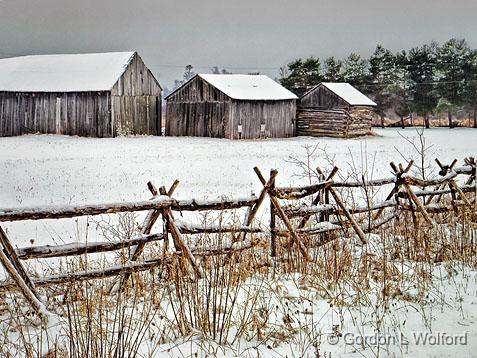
{"x":240,"y":35}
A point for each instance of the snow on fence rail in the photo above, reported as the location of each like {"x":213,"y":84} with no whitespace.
{"x":296,"y":215}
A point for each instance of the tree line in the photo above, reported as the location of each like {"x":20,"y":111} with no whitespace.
{"x":426,"y":80}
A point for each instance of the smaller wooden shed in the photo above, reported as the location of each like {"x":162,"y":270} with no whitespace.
{"x":335,"y":110}
{"x":231,"y":106}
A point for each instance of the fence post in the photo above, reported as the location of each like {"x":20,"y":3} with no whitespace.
{"x":273,"y":228}
{"x":15,"y":269}
{"x":179,"y":243}
{"x":281,"y":214}
{"x":146,"y":228}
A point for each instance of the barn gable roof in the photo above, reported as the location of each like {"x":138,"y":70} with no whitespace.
{"x":63,"y":73}
{"x":347,"y":92}
{"x":246,"y":87}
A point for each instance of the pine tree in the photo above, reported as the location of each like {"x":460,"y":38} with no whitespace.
{"x":382,"y":67}
{"x":451,"y":64}
{"x":302,"y":75}
{"x":188,"y":73}
{"x":355,"y":71}
{"x":333,"y":70}
{"x":399,"y":90}
{"x":421,"y":73}
{"x":470,"y":87}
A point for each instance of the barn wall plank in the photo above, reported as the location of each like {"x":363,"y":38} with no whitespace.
{"x":84,"y":114}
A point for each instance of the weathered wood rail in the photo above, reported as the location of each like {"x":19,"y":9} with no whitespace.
{"x":296,"y":215}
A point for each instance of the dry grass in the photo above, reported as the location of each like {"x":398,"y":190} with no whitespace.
{"x":245,"y":297}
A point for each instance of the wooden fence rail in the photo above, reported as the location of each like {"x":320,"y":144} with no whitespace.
{"x":296,"y":213}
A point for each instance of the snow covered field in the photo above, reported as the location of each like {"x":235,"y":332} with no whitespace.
{"x":47,"y":169}
{"x":42,"y":169}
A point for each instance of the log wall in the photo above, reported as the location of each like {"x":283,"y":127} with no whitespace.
{"x":337,"y":123}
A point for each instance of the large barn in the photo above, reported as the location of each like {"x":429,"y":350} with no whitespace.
{"x":96,"y":95}
{"x":335,"y":110}
{"x":231,"y":106}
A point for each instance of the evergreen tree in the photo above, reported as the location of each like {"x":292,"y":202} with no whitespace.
{"x":355,"y":71}
{"x":421,"y":73}
{"x":333,"y":70}
{"x":302,"y":75}
{"x":399,"y":90}
{"x":470,"y":87}
{"x":382,"y":67}
{"x":188,"y":73}
{"x":451,"y":66}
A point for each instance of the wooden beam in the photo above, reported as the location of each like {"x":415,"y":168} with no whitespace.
{"x":61,"y":212}
{"x":418,"y":203}
{"x":350,"y":218}
{"x":27,"y":292}
{"x":75,"y":249}
{"x":13,"y":257}
{"x":273,"y":224}
{"x":95,"y":274}
{"x":146,"y":228}
{"x":283,"y":216}
{"x":179,"y":243}
{"x":318,"y":197}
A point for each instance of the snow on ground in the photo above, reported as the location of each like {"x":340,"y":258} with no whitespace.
{"x":443,"y":327}
{"x":50,"y":169}
{"x":46,"y":169}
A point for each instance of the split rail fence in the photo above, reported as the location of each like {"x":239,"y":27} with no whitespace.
{"x":296,"y":215}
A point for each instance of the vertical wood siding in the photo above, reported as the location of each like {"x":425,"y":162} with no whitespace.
{"x":136,"y":115}
{"x":133,"y":106}
{"x":137,"y":80}
{"x":84,"y":114}
{"x":136,"y":101}
{"x":262,"y":119}
{"x":199,"y":109}
{"x":321,"y":97}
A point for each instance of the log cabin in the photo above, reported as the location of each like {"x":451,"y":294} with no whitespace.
{"x":231,"y":106}
{"x":93,"y":95}
{"x":335,"y":110}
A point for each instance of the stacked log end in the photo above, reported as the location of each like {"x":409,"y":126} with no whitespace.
{"x":339,"y":123}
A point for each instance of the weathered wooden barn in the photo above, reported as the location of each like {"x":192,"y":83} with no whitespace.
{"x":231,"y":106}
{"x":335,"y":110}
{"x":96,"y":95}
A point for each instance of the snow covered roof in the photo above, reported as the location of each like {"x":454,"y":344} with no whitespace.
{"x":248,"y":87}
{"x":63,"y":73}
{"x":348,"y":93}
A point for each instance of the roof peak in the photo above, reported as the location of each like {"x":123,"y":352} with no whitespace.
{"x":347,"y":92}
{"x":245,"y":87}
